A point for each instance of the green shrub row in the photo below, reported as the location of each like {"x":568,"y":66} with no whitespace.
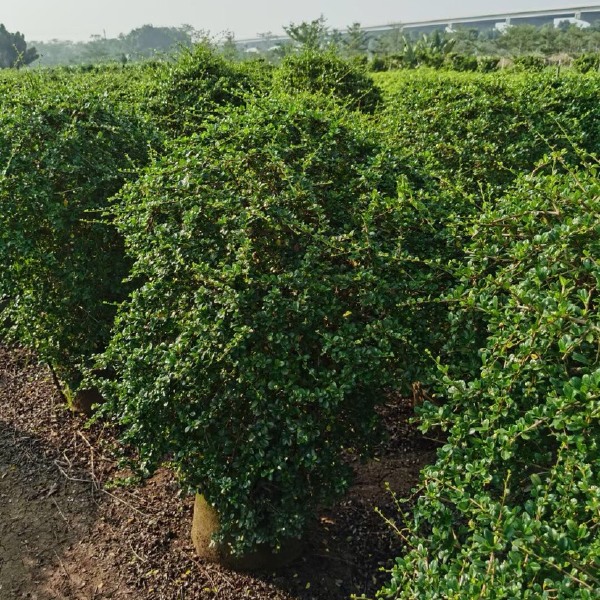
{"x":452,"y":61}
{"x":62,"y":155}
{"x":255,"y":260}
{"x":266,"y":328}
{"x":326,"y":73}
{"x":258,"y":325}
{"x":511,"y":507}
{"x":69,"y":140}
{"x":480,"y":131}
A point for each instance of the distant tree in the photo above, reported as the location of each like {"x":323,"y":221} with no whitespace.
{"x":429,"y":51}
{"x":573,"y":40}
{"x":355,"y":41}
{"x":13,"y":50}
{"x":273,"y":51}
{"x":408,"y":57}
{"x":520,"y":39}
{"x":197,"y":36}
{"x":148,"y":40}
{"x":58,"y":52}
{"x":391,"y":42}
{"x":466,"y":40}
{"x":138,"y":44}
{"x":311,"y":35}
{"x":335,"y":39}
{"x":228,"y":48}
{"x":437,"y":43}
{"x":548,"y":39}
{"x":101,"y":49}
{"x":525,"y":40}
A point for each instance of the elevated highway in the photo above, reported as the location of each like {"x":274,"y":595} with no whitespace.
{"x":582,"y":14}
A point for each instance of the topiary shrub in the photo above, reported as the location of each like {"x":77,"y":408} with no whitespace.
{"x":529,"y":62}
{"x":275,"y":308}
{"x":62,"y":155}
{"x":487,"y":64}
{"x":461,"y":62}
{"x":586,"y":63}
{"x":327,"y":73}
{"x":480,"y":131}
{"x":195,"y":86}
{"x":510,"y":509}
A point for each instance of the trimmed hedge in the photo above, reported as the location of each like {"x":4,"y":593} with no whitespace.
{"x":63,"y":155}
{"x":193,"y":88}
{"x":267,"y":325}
{"x":325,"y":72}
{"x":480,"y":131}
{"x":510,"y":509}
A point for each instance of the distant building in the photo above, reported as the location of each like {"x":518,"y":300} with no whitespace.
{"x":571,"y":21}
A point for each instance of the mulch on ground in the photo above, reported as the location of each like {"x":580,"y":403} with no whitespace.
{"x":67,"y":532}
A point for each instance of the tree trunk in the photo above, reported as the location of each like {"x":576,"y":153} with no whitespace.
{"x":206,"y":523}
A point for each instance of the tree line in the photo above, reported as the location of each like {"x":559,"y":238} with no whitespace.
{"x":395,"y":48}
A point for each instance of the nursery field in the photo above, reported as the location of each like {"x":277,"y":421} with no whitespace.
{"x":68,"y":532}
{"x":349,"y":320}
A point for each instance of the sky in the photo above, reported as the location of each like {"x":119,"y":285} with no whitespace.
{"x":78,"y":20}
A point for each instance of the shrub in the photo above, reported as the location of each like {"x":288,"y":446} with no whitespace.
{"x":529,"y":62}
{"x":587,"y":62}
{"x":195,"y":87}
{"x":510,"y":509}
{"x":62,"y":156}
{"x":327,"y":73}
{"x":487,"y":64}
{"x":274,"y":310}
{"x":461,"y":62}
{"x":378,"y":64}
{"x":400,"y":61}
{"x":480,"y":131}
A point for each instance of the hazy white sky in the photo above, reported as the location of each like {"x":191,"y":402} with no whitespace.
{"x":79,"y":19}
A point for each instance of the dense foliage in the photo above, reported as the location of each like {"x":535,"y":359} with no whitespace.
{"x":479,"y":131}
{"x":14,"y":52}
{"x":266,"y":328}
{"x":586,"y":63}
{"x":194,"y":87}
{"x":62,"y":157}
{"x":328,"y":73}
{"x":390,"y":48}
{"x":511,"y":507}
{"x":285,"y":259}
{"x":139,"y":44}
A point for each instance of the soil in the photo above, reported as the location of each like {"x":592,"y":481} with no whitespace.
{"x":68,"y":532}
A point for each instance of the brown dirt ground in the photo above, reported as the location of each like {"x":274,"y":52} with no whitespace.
{"x":66,"y":533}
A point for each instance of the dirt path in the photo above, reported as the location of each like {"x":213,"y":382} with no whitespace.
{"x":66,"y":534}
{"x":43,"y":516}
{"x":48,"y":503}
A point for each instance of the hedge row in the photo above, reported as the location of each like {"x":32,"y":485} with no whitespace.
{"x":510,"y":508}
{"x":63,"y":155}
{"x":254,"y":268}
{"x":255,"y":264}
{"x":480,"y":131}
{"x":267,"y":326}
